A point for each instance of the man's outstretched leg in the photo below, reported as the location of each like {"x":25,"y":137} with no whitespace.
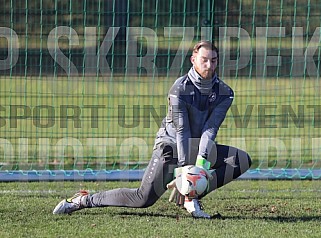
{"x":158,"y":173}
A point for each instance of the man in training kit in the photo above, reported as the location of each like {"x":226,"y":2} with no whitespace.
{"x":197,"y":105}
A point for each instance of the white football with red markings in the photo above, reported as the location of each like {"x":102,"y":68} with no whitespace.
{"x":193,"y":181}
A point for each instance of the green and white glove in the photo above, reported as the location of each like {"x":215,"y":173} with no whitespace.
{"x":203,"y":163}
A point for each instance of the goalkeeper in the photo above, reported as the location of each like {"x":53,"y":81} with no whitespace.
{"x":197,"y":105}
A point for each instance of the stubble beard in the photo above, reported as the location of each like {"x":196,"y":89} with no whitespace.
{"x":206,"y":74}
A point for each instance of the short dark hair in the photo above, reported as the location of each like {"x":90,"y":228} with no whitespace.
{"x":205,"y":44}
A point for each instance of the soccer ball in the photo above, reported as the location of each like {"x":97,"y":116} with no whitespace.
{"x":193,"y":181}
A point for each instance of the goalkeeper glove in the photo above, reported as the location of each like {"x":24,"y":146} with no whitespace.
{"x":175,"y":195}
{"x":203,"y":163}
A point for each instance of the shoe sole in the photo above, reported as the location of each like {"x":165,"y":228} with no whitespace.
{"x":199,"y":217}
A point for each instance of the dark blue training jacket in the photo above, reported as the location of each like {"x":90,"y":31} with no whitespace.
{"x":195,"y":111}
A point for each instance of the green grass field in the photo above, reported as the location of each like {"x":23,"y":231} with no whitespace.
{"x":249,"y":209}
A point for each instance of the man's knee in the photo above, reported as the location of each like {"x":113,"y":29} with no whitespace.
{"x":245,"y":160}
{"x":249,"y":160}
{"x":147,"y":201}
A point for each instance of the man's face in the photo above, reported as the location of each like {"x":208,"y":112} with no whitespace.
{"x":205,"y":62}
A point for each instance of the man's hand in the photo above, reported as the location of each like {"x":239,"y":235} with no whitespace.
{"x":175,"y":196}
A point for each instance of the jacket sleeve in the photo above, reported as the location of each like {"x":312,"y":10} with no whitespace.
{"x":212,"y":125}
{"x":179,"y":114}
